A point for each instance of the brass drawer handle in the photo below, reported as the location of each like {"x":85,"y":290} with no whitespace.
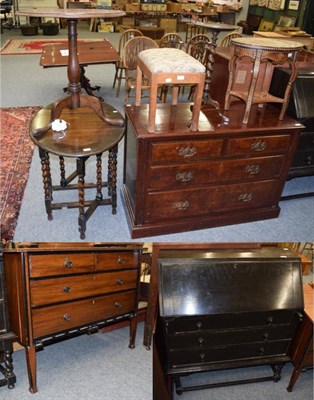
{"x":202,"y":355}
{"x":117,"y":304}
{"x":184,"y":176}
{"x":253,"y":169}
{"x":265,"y":336}
{"x":187,"y":151}
{"x":181,"y":205}
{"x":120,"y":281}
{"x":68,"y":264}
{"x":259,"y":146}
{"x":200,"y":340}
{"x":261,"y":351}
{"x":67,"y":289}
{"x":67,"y":317}
{"x":245,"y":197}
{"x":270,"y":320}
{"x":121,"y":260}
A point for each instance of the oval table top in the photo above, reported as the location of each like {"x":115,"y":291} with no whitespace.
{"x":266,"y":44}
{"x":70,"y":13}
{"x":85,"y":135}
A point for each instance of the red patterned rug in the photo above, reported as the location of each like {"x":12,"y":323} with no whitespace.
{"x":16,"y":154}
{"x":33,"y":46}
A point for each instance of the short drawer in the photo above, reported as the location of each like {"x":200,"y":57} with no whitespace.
{"x":52,"y":319}
{"x":203,"y":173}
{"x":60,"y":264}
{"x":257,"y":145}
{"x":185,"y":150}
{"x":230,"y":321}
{"x":228,"y":337}
{"x":116,"y":260}
{"x":194,"y":357}
{"x":49,"y":291}
{"x":179,"y":204}
{"x":246,"y":195}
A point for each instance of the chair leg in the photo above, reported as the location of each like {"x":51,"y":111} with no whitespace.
{"x":115,"y":77}
{"x":120,"y":77}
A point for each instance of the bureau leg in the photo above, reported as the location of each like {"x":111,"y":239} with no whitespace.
{"x":31,"y":368}
{"x":277,"y":372}
{"x":9,"y":375}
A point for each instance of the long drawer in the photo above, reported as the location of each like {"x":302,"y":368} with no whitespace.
{"x":203,"y":173}
{"x":211,"y":338}
{"x":58,"y":318}
{"x":230,"y":321}
{"x":191,"y":358}
{"x":42,"y":265}
{"x":49,"y":291}
{"x":186,"y":203}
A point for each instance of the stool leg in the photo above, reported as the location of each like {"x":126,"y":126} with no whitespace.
{"x":138,"y":87}
{"x":231,"y":67}
{"x":99,"y":177}
{"x":80,"y":165}
{"x":152,"y":105}
{"x":198,"y":94}
{"x":109,"y":177}
{"x":46,"y":175}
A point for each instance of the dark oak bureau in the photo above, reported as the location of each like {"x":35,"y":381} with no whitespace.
{"x":176,"y":180}
{"x":226,"y":309}
{"x":57,"y":291}
{"x":7,"y":376}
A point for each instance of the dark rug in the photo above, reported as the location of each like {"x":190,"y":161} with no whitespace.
{"x":16,"y":151}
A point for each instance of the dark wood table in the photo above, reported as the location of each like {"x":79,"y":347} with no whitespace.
{"x":86,"y":135}
{"x":90,"y":52}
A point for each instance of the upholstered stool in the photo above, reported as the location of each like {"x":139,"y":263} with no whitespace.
{"x":168,"y":66}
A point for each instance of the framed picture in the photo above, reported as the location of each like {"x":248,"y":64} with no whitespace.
{"x":266,"y":25}
{"x":287,"y":21}
{"x":293,"y":5}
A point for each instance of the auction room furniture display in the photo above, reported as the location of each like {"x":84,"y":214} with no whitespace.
{"x":57,"y":291}
{"x":178,"y":180}
{"x":177,"y":68}
{"x":55,"y":129}
{"x":261,"y":50}
{"x":89,"y":53}
{"x":7,"y":377}
{"x":302,"y":344}
{"x":226,"y":309}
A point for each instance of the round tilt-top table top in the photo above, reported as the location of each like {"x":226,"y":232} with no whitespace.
{"x":266,"y":44}
{"x":70,"y":13}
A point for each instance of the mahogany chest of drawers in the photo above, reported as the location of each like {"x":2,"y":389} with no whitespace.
{"x":7,"y":376}
{"x":227,"y":309}
{"x":176,"y":180}
{"x":62,"y":290}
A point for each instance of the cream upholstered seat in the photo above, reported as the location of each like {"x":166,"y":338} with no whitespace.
{"x":173,"y":67}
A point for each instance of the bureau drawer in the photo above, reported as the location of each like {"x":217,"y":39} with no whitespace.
{"x":193,"y":357}
{"x":116,"y":260}
{"x":211,"y":338}
{"x":185,"y":150}
{"x":230,"y":321}
{"x":257,"y":145}
{"x":52,"y":319}
{"x":246,"y":195}
{"x":182,"y":204}
{"x":60,"y":264}
{"x":49,"y":291}
{"x":203,"y":173}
